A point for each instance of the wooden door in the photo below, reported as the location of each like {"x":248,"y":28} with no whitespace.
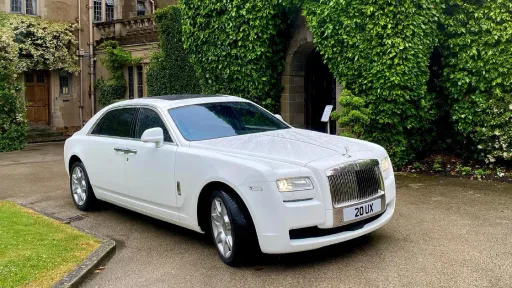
{"x":37,"y":86}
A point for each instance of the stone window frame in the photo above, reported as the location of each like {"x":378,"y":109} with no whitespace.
{"x":135,"y":77}
{"x":68,"y":77}
{"x":140,"y":7}
{"x":20,"y":7}
{"x":104,"y":10}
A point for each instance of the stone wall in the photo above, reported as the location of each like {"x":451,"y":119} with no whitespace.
{"x":292,"y":78}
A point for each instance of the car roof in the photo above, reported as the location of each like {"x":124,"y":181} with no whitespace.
{"x":171,"y":101}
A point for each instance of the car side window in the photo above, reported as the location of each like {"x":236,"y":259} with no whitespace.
{"x":116,"y":123}
{"x":147,"y":119}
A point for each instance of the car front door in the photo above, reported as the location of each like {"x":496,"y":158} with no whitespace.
{"x":105,"y":156}
{"x":150,"y":170}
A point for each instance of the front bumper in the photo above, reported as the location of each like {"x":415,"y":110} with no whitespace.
{"x":274,"y":219}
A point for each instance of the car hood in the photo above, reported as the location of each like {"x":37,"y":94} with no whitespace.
{"x":294,"y":146}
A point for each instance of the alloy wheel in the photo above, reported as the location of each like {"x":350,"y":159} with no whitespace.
{"x":221,"y":227}
{"x":79,"y":186}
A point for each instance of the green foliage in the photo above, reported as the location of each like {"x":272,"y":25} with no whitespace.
{"x":381,"y":51}
{"x":237,"y":47}
{"x":13,"y":123}
{"x":170,"y":71}
{"x":465,"y":170}
{"x":353,"y":118}
{"x":478,"y":75}
{"x":114,"y":60}
{"x":40,"y":44}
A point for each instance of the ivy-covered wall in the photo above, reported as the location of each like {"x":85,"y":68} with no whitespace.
{"x":477,"y":46}
{"x":237,"y":47}
{"x":115,"y":58}
{"x":381,"y":51}
{"x":170,"y":71}
{"x":409,"y":68}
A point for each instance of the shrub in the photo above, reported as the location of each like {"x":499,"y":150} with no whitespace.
{"x":13,"y":124}
{"x":114,"y":60}
{"x":381,"y":51}
{"x":237,"y":47}
{"x":41,"y":44}
{"x":353,"y":118}
{"x":170,"y":71}
{"x":477,"y":47}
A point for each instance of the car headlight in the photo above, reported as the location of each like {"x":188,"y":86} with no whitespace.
{"x":294,"y":184}
{"x":385,"y":163}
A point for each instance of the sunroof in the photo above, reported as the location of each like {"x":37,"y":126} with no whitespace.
{"x":184,"y":96}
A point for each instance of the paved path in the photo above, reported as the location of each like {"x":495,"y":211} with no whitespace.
{"x":445,"y":232}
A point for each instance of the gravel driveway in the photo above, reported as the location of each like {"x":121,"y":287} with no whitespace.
{"x":445,"y":232}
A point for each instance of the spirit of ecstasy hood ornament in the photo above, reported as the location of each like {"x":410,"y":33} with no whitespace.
{"x":347,"y":149}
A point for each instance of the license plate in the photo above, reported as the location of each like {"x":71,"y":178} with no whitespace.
{"x":362,"y":210}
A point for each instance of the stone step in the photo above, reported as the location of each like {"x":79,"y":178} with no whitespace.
{"x":46,"y":139}
{"x":42,"y":134}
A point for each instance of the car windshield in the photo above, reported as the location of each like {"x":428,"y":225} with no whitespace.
{"x":223,"y":119}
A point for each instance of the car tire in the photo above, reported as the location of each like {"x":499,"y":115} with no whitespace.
{"x":236,"y":233}
{"x":80,"y":187}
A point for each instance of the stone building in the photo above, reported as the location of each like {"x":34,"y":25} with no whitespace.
{"x":53,"y":98}
{"x":62,"y":100}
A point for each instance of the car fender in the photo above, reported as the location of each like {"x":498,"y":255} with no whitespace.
{"x":197,"y":168}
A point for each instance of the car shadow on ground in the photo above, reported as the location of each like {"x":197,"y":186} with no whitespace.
{"x":260,"y":261}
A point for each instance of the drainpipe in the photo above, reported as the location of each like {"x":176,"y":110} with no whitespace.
{"x":91,"y":55}
{"x":80,"y":57}
{"x":152,"y":6}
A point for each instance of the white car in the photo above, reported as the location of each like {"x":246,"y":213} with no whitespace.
{"x":225,"y":166}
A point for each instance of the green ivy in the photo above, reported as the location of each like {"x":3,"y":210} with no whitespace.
{"x":13,"y":124}
{"x":170,"y":71}
{"x":381,"y":50}
{"x":477,"y":47}
{"x":237,"y":47}
{"x":114,"y":60}
{"x":40,"y":44}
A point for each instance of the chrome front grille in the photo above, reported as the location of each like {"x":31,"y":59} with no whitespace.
{"x":354,"y":181}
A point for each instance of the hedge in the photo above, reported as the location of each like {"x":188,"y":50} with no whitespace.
{"x":477,"y":45}
{"x":381,"y":50}
{"x":170,"y":71}
{"x":237,"y":47}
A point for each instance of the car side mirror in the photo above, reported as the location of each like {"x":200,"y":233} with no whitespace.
{"x":279,"y":117}
{"x":153,"y":135}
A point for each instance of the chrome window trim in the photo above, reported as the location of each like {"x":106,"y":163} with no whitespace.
{"x":89,"y":133}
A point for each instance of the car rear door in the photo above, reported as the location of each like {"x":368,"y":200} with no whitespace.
{"x":150,"y":170}
{"x":107,"y":153}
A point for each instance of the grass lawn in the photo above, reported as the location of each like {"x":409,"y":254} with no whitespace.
{"x":36,"y":251}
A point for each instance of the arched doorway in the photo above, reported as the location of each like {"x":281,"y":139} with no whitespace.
{"x":320,"y":91}
{"x":308,"y":84}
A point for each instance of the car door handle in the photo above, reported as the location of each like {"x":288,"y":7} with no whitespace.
{"x":125,"y":151}
{"x":117,"y":149}
{"x":130,"y":151}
